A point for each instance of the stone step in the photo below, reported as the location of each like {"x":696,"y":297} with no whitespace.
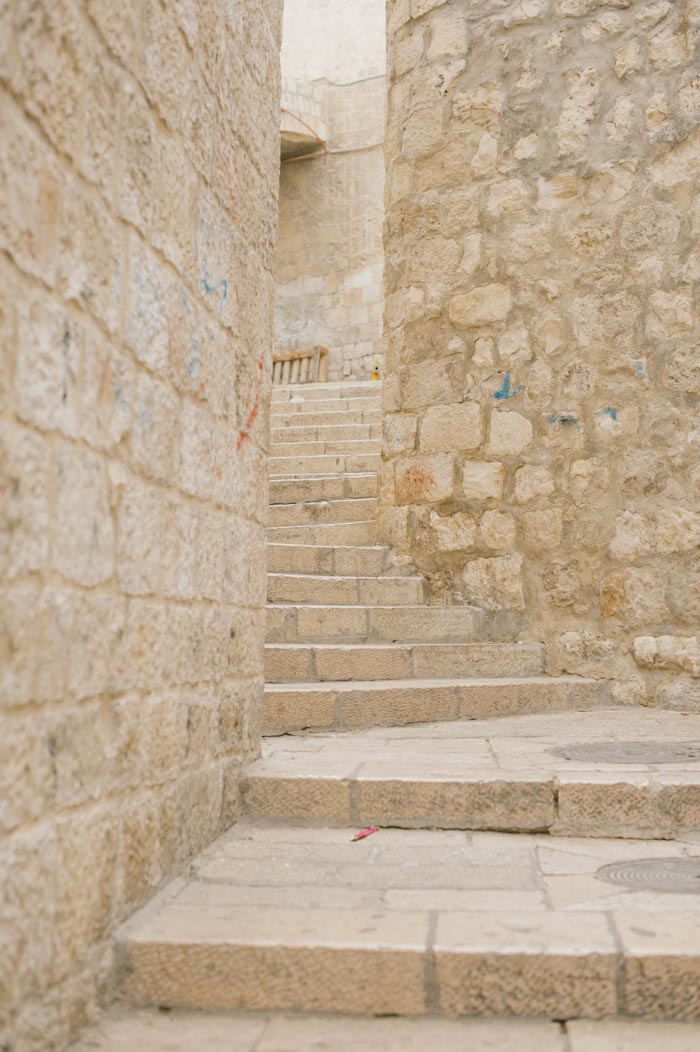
{"x":328,"y":464}
{"x":500,"y":774}
{"x":318,"y":449}
{"x":325,"y":405}
{"x":345,"y":705}
{"x":311,"y":512}
{"x":335,"y":487}
{"x":416,"y":923}
{"x":341,"y":417}
{"x":329,"y":433}
{"x":385,"y":624}
{"x":335,"y":533}
{"x":333,"y":559}
{"x":321,"y":662}
{"x":126,"y":1029}
{"x":340,"y":389}
{"x":345,"y":591}
{"x":308,"y":512}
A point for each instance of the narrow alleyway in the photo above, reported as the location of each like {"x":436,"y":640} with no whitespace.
{"x":383,"y":711}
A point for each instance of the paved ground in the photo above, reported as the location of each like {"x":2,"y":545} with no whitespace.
{"x":152,"y":1031}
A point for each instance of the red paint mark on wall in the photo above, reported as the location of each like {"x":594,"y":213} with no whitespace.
{"x":245,"y":433}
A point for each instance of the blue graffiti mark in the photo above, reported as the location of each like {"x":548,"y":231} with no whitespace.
{"x":211,"y":287}
{"x":144,"y":418}
{"x":565,"y":419}
{"x":195,"y":361}
{"x":639,"y":368}
{"x":505,"y":390}
{"x":612,"y":413}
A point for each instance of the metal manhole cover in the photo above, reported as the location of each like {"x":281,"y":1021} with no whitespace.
{"x":679,"y":876}
{"x":631,"y":752}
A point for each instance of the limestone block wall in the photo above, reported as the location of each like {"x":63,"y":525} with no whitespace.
{"x":139,"y":160}
{"x":330,"y":256}
{"x":542,"y":420}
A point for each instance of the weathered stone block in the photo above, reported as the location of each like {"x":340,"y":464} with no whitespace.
{"x":448,"y":427}
{"x":484,"y":305}
{"x":425,"y":479}
{"x":509,"y":434}
{"x":483,"y":480}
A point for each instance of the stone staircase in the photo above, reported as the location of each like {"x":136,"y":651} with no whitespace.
{"x":383,"y":710}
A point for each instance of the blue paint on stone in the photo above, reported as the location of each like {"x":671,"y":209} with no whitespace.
{"x":565,"y":419}
{"x":505,"y":390}
{"x":612,"y":413}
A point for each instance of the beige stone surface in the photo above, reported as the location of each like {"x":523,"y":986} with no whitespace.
{"x":485,"y":771}
{"x":330,"y":258}
{"x":138,"y":190}
{"x":556,"y":161}
{"x":179,"y":1031}
{"x":514,"y":930}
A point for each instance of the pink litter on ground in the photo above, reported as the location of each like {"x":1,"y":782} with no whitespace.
{"x":365,"y":832}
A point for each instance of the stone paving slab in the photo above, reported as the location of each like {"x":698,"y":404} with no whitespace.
{"x":414,"y":922}
{"x":496,"y":774}
{"x":147,"y":1030}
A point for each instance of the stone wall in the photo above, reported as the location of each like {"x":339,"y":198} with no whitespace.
{"x":542,"y":429}
{"x":330,"y":257}
{"x":139,"y":155}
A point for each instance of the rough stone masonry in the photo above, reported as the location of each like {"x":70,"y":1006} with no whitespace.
{"x":139,"y":169}
{"x":542,"y":401}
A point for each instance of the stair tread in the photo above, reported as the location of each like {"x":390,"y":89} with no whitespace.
{"x":345,"y":686}
{"x":415,"y":922}
{"x":150,"y":1030}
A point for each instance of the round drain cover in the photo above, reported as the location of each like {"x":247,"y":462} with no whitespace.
{"x":680,"y":876}
{"x":631,"y":752}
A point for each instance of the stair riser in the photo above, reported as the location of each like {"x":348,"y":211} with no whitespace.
{"x":374,"y":591}
{"x":311,"y":559}
{"x":340,"y":392}
{"x":322,"y":449}
{"x":339,"y":433}
{"x":347,"y":487}
{"x":341,"y":418}
{"x":290,"y":710}
{"x":572,"y":805}
{"x":345,"y":533}
{"x":324,"y":465}
{"x":377,"y":981}
{"x":309,"y":664}
{"x":327,"y":405}
{"x":417,"y":625}
{"x":322,"y":512}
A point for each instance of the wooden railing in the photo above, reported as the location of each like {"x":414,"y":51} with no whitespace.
{"x":307,"y":365}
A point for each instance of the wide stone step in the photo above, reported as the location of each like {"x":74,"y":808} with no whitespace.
{"x":335,"y":533}
{"x":315,"y":449}
{"x":396,"y":702}
{"x":324,"y":464}
{"x":333,"y":559}
{"x":339,"y":417}
{"x":416,"y":923}
{"x":373,"y":591}
{"x":322,"y":511}
{"x":329,"y":433}
{"x":325,"y":405}
{"x":499,"y":774}
{"x":338,"y":487}
{"x":379,"y":624}
{"x":320,"y":662}
{"x":127,"y":1029}
{"x":340,"y":389}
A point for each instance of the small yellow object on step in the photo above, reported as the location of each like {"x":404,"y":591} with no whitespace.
{"x":375,"y":371}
